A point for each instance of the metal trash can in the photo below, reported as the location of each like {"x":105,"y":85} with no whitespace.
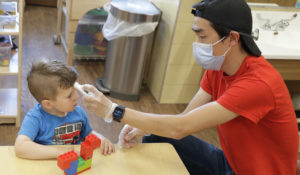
{"x":125,"y":57}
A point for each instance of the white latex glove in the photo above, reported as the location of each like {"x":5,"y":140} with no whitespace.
{"x":129,"y":136}
{"x":98,"y":103}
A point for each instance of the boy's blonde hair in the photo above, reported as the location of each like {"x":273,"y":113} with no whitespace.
{"x":45,"y":77}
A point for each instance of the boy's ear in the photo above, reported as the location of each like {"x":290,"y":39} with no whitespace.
{"x":46,"y":104}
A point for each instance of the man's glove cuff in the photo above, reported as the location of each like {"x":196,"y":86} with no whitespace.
{"x":108,"y":118}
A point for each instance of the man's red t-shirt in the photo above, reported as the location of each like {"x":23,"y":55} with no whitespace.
{"x":263,"y":140}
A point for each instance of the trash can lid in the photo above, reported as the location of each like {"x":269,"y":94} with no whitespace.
{"x":135,"y":11}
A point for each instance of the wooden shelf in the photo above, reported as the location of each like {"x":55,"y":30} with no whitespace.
{"x":8,"y":105}
{"x":10,"y":98}
{"x":12,"y":69}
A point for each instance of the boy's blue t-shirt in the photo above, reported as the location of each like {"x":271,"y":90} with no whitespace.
{"x":47,"y":129}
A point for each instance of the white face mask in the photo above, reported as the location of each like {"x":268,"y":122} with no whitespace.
{"x":203,"y":54}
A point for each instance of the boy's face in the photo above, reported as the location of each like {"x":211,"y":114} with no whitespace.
{"x":66,"y":101}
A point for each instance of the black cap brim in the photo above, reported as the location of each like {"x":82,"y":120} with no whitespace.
{"x":250,"y":46}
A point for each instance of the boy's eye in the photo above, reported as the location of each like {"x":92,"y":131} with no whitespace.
{"x":70,"y":95}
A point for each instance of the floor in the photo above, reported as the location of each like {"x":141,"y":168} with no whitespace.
{"x":38,"y":29}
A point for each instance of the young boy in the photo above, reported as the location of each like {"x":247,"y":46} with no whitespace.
{"x":56,"y":120}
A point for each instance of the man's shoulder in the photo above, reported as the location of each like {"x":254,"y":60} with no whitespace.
{"x":261,"y":73}
{"x":263,"y":70}
{"x":259,"y":65}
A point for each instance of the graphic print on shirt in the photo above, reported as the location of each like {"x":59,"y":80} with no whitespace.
{"x":67,"y":134}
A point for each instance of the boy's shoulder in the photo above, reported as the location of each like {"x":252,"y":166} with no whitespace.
{"x":78,"y":111}
{"x":33,"y":116}
{"x":35,"y":112}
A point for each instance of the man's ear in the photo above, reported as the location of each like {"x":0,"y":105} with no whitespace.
{"x":46,"y":104}
{"x":234,"y":38}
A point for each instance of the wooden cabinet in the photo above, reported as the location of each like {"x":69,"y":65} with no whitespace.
{"x":51,"y":3}
{"x":11,"y":76}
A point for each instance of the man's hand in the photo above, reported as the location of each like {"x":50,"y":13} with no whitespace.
{"x":97,"y":102}
{"x":129,"y":135}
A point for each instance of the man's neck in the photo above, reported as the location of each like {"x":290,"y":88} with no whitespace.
{"x":234,"y":61}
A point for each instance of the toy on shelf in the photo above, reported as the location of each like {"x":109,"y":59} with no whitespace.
{"x":89,"y":41}
{"x":8,"y":8}
{"x":5,"y":49}
{"x":8,"y":15}
{"x":73,"y":164}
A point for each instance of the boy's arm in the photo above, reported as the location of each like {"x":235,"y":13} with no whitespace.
{"x":26,"y":148}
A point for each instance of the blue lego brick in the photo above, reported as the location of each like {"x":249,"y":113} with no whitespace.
{"x":73,"y":168}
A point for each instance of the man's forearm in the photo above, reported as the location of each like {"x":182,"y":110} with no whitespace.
{"x":179,"y":126}
{"x":156,"y":123}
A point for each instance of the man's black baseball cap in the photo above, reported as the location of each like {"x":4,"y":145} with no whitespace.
{"x":232,"y":14}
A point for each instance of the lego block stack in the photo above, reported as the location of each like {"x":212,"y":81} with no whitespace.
{"x":73,"y":164}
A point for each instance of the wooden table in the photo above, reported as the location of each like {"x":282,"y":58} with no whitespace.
{"x":151,"y":158}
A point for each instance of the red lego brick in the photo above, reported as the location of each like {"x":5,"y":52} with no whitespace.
{"x":93,"y":140}
{"x":64,"y":161}
{"x":86,"y":150}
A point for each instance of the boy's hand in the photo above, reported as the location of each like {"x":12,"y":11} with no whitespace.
{"x":106,"y":147}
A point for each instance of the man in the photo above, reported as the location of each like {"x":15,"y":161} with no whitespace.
{"x":240,"y":93}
